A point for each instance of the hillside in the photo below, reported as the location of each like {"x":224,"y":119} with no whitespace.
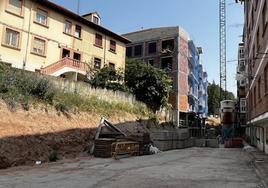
{"x":44,"y":118}
{"x":29,"y":136}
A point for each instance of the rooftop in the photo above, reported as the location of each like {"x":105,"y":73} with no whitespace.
{"x":79,"y":18}
{"x":156,"y":33}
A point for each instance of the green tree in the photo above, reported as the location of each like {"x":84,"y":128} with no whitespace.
{"x":149,"y":84}
{"x":214,"y":98}
{"x":108,"y":78}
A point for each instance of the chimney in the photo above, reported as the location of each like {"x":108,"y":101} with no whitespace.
{"x":93,"y":17}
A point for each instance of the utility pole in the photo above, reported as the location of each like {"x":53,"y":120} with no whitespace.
{"x":222,"y":27}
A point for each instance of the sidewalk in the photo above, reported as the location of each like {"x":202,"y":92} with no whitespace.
{"x":260,"y":162}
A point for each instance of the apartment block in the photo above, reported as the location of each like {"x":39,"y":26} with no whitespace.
{"x":170,"y":49}
{"x":41,"y":36}
{"x":255,"y":44}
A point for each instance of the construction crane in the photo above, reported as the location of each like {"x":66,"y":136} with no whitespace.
{"x":222,"y":27}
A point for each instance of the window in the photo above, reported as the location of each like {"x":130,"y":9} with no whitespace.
{"x":256,"y":4}
{"x":252,"y":19}
{"x":243,"y":105}
{"x":112,"y":46}
{"x":166,"y":63}
{"x":152,"y":48}
{"x":151,"y":62}
{"x":138,"y":50}
{"x":97,"y":63}
{"x":129,"y":51}
{"x":77,"y":56}
{"x":168,"y":45}
{"x":259,"y":88}
{"x":15,"y":6}
{"x":68,"y":27}
{"x":39,"y":46}
{"x":12,"y":38}
{"x":65,"y":53}
{"x":264,"y":18}
{"x":266,"y":78}
{"x":95,"y":20}
{"x":77,"y":32}
{"x":112,"y":65}
{"x":98,"y":40}
{"x":258,"y":41}
{"x":254,"y":96}
{"x":41,"y":17}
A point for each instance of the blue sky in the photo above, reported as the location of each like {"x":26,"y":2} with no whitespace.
{"x":198,"y":17}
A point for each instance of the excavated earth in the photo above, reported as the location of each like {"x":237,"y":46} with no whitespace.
{"x":43,"y":133}
{"x":34,"y":135}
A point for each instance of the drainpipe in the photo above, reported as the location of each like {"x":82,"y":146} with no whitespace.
{"x":28,"y":38}
{"x":178,"y":78}
{"x":104,"y":55}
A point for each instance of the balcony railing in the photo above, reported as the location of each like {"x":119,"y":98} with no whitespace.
{"x":65,"y":62}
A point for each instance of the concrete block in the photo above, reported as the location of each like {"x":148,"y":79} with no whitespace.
{"x":162,"y":145}
{"x":161,"y":135}
{"x":180,"y":144}
{"x":183,"y":134}
{"x":200,"y":142}
{"x":174,"y":144}
{"x":189,"y":143}
{"x":212,"y":143}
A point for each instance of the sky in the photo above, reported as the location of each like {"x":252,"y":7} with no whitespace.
{"x":200,"y":18}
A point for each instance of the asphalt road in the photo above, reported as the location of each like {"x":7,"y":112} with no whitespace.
{"x":194,"y":167}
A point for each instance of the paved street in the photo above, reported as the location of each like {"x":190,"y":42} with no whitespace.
{"x":194,"y":167}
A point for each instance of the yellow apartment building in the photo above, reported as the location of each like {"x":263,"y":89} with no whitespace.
{"x":41,"y":36}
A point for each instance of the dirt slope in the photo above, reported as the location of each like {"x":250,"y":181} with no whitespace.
{"x":28,"y":136}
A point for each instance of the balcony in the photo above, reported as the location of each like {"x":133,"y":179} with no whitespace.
{"x":66,"y":65}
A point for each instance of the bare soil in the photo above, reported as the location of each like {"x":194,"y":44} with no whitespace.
{"x":34,"y":135}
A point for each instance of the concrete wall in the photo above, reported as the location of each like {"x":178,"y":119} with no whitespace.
{"x":55,"y":38}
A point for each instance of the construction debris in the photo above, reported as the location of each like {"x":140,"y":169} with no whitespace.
{"x":110,"y":141}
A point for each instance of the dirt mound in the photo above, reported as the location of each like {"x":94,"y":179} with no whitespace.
{"x":36,"y":135}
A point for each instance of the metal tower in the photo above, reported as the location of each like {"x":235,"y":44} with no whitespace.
{"x":222,"y":17}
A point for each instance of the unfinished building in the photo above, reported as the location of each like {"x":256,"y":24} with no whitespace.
{"x":166,"y":48}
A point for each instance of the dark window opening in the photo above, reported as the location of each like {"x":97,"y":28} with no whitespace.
{"x":264,"y":18}
{"x":152,"y":48}
{"x":65,"y":53}
{"x":97,"y":63}
{"x":138,"y":50}
{"x":168,"y":45}
{"x":112,"y":65}
{"x":77,"y":32}
{"x":254,"y":96}
{"x":166,"y":63}
{"x":151,"y":62}
{"x":259,"y":88}
{"x":266,"y":78}
{"x":77,"y":56}
{"x":129,"y":52}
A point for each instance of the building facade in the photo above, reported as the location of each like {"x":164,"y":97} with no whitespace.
{"x":44,"y":37}
{"x":171,"y":49}
{"x":255,"y":39}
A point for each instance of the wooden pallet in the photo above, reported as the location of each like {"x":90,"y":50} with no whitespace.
{"x":125,"y":148}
